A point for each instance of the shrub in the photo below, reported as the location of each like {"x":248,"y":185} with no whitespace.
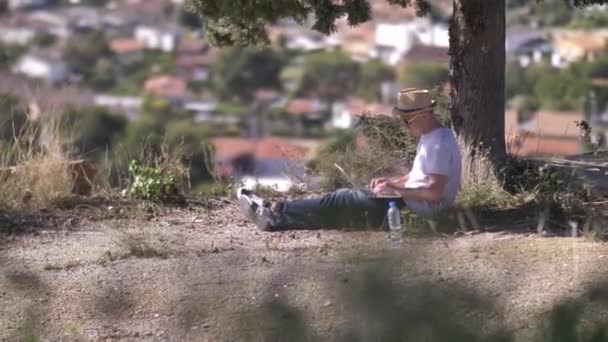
{"x":389,"y":149}
{"x":480,"y":186}
{"x":424,"y":75}
{"x":94,"y":129}
{"x":151,"y":184}
{"x":34,"y":168}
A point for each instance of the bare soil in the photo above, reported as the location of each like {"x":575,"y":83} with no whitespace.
{"x":202,"y":273}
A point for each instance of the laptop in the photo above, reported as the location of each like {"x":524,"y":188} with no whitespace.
{"x":365,"y":189}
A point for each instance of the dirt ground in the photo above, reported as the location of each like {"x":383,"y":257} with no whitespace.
{"x":204,"y":274}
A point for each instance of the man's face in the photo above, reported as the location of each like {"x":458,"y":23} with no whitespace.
{"x":413,"y":123}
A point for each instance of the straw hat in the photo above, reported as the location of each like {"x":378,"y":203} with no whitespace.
{"x":412,"y":101}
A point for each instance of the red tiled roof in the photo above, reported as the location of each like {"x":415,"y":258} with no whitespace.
{"x":192,"y":47}
{"x":531,"y":145}
{"x":301,"y":106}
{"x":266,"y":148}
{"x":124,"y":46}
{"x":166,"y":86}
{"x":196,"y":60}
{"x":554,"y":124}
{"x":230,"y":148}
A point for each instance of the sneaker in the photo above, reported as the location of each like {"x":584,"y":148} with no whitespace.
{"x":256,"y":209}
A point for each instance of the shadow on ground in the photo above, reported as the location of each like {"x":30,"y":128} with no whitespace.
{"x":376,"y":306}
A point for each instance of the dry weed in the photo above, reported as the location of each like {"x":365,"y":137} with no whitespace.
{"x":140,"y":243}
{"x":34,"y":167}
{"x":480,"y":186}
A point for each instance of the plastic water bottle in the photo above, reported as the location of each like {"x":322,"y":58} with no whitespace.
{"x":394,"y":223}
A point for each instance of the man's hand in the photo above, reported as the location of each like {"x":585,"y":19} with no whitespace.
{"x":385,"y":188}
{"x":377,"y":181}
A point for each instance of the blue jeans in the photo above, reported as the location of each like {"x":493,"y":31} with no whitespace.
{"x":344,"y":208}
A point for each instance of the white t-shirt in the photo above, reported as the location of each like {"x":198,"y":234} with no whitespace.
{"x":437,"y":153}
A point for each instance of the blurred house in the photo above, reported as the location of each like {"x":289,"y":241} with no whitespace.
{"x":194,"y":60}
{"x":128,"y":105}
{"x":426,"y":54}
{"x":574,"y":46}
{"x":46,"y":65}
{"x":307,"y":113}
{"x":205,"y":111}
{"x":270,"y":161}
{"x":546,"y":134}
{"x":157,"y":38}
{"x":17,"y":34}
{"x":14,"y":5}
{"x":527,"y":45}
{"x":345,"y":114}
{"x":393,"y":40}
{"x":359,"y":42}
{"x":127,"y":49}
{"x":167,"y":86}
{"x":51,"y":22}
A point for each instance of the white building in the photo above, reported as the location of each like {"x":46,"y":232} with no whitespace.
{"x":22,"y":4}
{"x":393,"y":40}
{"x":17,"y":35}
{"x":157,"y":38}
{"x":48,"y":68}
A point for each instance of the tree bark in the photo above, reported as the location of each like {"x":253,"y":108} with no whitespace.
{"x":477,"y":74}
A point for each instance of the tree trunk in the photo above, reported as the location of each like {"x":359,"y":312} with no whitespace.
{"x":477,"y":74}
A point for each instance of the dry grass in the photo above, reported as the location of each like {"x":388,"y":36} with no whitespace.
{"x":34,"y":167}
{"x":480,"y":186}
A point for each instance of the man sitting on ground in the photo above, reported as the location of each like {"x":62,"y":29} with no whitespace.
{"x":432,"y":183}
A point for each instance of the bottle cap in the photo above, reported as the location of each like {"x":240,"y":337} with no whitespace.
{"x":392,"y":204}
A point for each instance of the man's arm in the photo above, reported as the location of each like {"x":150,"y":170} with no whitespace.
{"x":395,"y":180}
{"x":399,"y":180}
{"x":431,"y":192}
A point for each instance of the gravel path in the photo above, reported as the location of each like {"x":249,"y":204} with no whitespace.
{"x":201,"y":274}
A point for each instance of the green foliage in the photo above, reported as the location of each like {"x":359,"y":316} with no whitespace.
{"x":130,"y":74}
{"x":330,"y":75}
{"x":547,"y":186}
{"x":562,"y":89}
{"x":146,"y":131}
{"x":191,"y":139}
{"x":151,"y":184}
{"x":517,"y":80}
{"x":424,"y":75}
{"x":551,"y":13}
{"x":599,"y":67}
{"x":44,"y":39}
{"x":590,"y":20}
{"x":525,"y":106}
{"x":94,"y":129}
{"x":9,"y":53}
{"x":236,"y":23}
{"x":387,"y":134}
{"x":232,"y":109}
{"x":389,"y":150}
{"x":373,"y":74}
{"x":188,"y":18}
{"x":12,"y":117}
{"x":90,"y":56}
{"x":96,"y":3}
{"x":240,"y":72}
{"x":341,"y":141}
